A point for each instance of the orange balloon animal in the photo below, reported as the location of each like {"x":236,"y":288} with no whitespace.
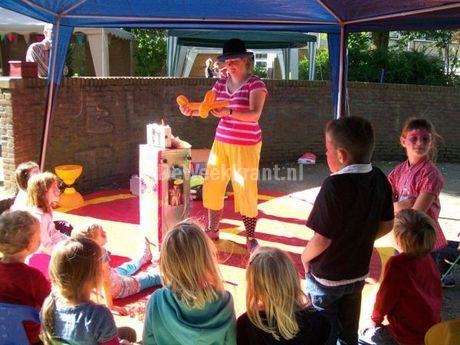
{"x":204,"y":107}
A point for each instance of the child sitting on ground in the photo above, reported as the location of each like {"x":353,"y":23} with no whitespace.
{"x":19,"y":283}
{"x":278,"y":312}
{"x":121,"y":281}
{"x":410,"y":295}
{"x":193,"y":307}
{"x":353,"y":208}
{"x":43,"y":191}
{"x":68,"y":315}
{"x":24,"y":172}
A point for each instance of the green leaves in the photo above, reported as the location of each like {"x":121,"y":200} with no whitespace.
{"x":150,"y":52}
{"x":399,"y":65}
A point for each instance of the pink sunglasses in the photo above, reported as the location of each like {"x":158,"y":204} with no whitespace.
{"x":424,"y":138}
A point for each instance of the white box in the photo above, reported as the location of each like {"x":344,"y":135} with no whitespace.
{"x":164,"y":198}
{"x":158,"y":135}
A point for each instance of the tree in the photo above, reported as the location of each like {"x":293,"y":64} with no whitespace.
{"x":396,"y":64}
{"x":380,"y":40}
{"x":150,"y":52}
{"x":442,"y":39}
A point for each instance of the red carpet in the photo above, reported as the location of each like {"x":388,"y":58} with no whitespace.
{"x":126,"y":210}
{"x":281,"y":223}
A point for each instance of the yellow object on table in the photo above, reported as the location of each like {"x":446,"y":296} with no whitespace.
{"x":69,"y":173}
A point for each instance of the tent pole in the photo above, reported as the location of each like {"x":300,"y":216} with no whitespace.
{"x":340,"y":97}
{"x":60,"y":43}
{"x":49,"y":98}
{"x":46,"y":127}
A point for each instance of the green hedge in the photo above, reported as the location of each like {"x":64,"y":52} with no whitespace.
{"x":399,"y":67}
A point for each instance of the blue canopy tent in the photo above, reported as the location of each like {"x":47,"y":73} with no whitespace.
{"x":178,"y":39}
{"x":335,"y":17}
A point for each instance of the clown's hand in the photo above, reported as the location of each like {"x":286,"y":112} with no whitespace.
{"x":220,"y":112}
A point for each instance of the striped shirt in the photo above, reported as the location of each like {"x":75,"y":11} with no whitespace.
{"x":231,"y":130}
{"x":39,"y":54}
{"x":409,"y":181}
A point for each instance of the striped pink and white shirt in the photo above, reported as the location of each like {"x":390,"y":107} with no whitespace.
{"x":409,"y":181}
{"x":231,"y":130}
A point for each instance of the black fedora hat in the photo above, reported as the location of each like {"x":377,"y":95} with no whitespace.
{"x":234,"y":48}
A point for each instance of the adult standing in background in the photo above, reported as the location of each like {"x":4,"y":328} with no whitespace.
{"x":216,"y":70}
{"x":208,"y":72}
{"x":39,"y":52}
{"x":235,"y":153}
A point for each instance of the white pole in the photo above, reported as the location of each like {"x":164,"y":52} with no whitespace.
{"x":50,"y":98}
{"x":341,"y":72}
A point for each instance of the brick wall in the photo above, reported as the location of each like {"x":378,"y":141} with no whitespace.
{"x":99,"y":123}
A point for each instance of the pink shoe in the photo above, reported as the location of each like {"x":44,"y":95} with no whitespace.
{"x":213,"y":235}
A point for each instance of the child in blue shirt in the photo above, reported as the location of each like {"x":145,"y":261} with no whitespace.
{"x":68,"y":314}
{"x":193,"y":307}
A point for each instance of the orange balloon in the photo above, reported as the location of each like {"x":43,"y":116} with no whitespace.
{"x":204,"y":107}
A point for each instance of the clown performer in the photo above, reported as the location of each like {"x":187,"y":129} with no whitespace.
{"x":235,"y":153}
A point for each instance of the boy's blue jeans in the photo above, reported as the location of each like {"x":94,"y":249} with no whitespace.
{"x":341,"y":305}
{"x":376,"y":336}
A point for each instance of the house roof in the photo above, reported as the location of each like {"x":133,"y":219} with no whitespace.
{"x":15,"y":22}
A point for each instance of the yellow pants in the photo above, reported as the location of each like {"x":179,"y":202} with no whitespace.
{"x":238,"y":163}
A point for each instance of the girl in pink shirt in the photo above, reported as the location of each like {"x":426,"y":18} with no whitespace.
{"x":417,"y":183}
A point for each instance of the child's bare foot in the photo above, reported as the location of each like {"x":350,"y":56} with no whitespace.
{"x":147,"y":254}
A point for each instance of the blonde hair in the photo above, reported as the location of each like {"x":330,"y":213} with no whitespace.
{"x":75,"y":267}
{"x":188,"y":264}
{"x":36,"y":190}
{"x":23,"y":174}
{"x":16,"y":231}
{"x":249,"y":62}
{"x":273,"y":284}
{"x":86,"y":230}
{"x":414,"y":232}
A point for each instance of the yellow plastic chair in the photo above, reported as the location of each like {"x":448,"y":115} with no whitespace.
{"x":444,"y":333}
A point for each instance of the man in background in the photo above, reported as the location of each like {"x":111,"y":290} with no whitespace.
{"x":39,"y":52}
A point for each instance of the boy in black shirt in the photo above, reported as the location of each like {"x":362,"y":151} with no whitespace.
{"x":354,"y":207}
